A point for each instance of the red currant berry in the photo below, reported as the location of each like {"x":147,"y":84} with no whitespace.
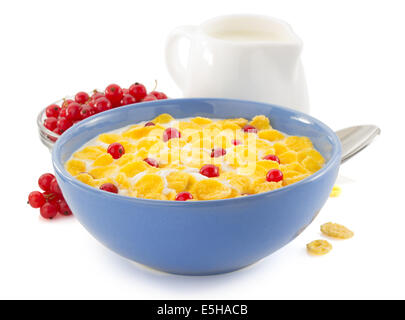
{"x":81,"y":97}
{"x":62,"y":113}
{"x":127,"y":99}
{"x":116,"y":150}
{"x":96,"y":95}
{"x":114,"y":93}
{"x":218,"y":152}
{"x":148,"y":124}
{"x":66,"y":103}
{"x":45,"y":180}
{"x":54,"y":187}
{"x":158,"y":95}
{"x":271,"y":157}
{"x":63,"y":208}
{"x":171,"y":133}
{"x":73,"y":111}
{"x":184,"y":196}
{"x":52,"y":110}
{"x":57,"y":131}
{"x":102,"y":104}
{"x":36,"y":199}
{"x":109,"y":187}
{"x":125,"y":91}
{"x":49,"y":210}
{"x":138,"y":91}
{"x":274,"y":175}
{"x":50,"y":123}
{"x":236,"y":142}
{"x":86,"y":111}
{"x":149,"y":97}
{"x":249,"y":128}
{"x":210,"y":171}
{"x":152,"y":162}
{"x":63,"y":124}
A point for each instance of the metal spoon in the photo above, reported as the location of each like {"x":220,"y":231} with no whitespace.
{"x":355,"y":139}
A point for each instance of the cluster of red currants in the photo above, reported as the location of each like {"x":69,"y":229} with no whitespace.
{"x":51,"y":201}
{"x":60,"y":118}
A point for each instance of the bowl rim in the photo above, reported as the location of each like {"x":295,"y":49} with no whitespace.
{"x":60,"y":169}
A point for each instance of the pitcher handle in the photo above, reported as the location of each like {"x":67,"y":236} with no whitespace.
{"x":173,"y":63}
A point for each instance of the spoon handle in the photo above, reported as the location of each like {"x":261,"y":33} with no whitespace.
{"x":355,"y":139}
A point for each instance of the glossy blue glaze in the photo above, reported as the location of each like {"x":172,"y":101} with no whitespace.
{"x":201,"y":237}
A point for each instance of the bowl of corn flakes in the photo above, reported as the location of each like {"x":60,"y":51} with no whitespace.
{"x":197,"y":186}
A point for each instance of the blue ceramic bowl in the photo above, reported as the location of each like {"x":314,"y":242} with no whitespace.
{"x":201,"y":237}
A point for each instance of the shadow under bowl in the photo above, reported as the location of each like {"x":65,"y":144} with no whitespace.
{"x":199,"y":237}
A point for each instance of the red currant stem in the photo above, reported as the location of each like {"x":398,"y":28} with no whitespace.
{"x":156,"y":83}
{"x":50,"y":196}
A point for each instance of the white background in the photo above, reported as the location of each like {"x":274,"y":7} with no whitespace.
{"x":354,"y":56}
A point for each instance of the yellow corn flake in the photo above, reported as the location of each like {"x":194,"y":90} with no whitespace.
{"x":319,"y":247}
{"x":103,"y":160}
{"x":109,"y":138}
{"x":336,"y":230}
{"x":290,"y":173}
{"x":156,"y":132}
{"x":149,"y":184}
{"x":270,"y":135}
{"x":241,"y":122}
{"x":298,"y":143}
{"x":87,"y":179}
{"x":260,"y":122}
{"x":191,"y":183}
{"x":178,"y":180}
{"x":154,"y":196}
{"x":176,"y":143}
{"x":251,"y":170}
{"x":206,"y":143}
{"x":149,"y":143}
{"x":123,"y":181}
{"x":133,"y":168}
{"x":279,"y":148}
{"x":201,"y":121}
{"x":103,"y":172}
{"x":141,"y":154}
{"x":311,"y":165}
{"x":294,"y":166}
{"x":128,"y":157}
{"x":187,"y":125}
{"x":74,"y":167}
{"x":240,"y":183}
{"x":261,"y":185}
{"x":268,"y":164}
{"x":230,"y":125}
{"x":89,"y":153}
{"x":128,"y":147}
{"x":163,"y":119}
{"x":311,"y":153}
{"x":264,"y":145}
{"x":290,"y":180}
{"x":169,"y":157}
{"x":336,"y":191}
{"x":210,"y":189}
{"x":171,"y":195}
{"x":288,"y":157}
{"x":104,"y":180}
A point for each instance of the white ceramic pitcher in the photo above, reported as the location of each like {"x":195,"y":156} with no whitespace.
{"x":249,"y":57}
